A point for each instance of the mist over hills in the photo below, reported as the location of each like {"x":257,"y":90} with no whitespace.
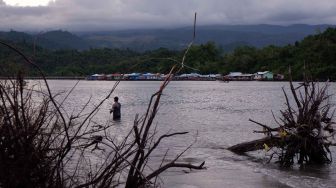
{"x":228,"y":37}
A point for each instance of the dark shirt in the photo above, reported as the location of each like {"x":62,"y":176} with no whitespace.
{"x":116,"y":110}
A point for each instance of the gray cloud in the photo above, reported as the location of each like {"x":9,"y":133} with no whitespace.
{"x":2,"y":3}
{"x":121,"y":14}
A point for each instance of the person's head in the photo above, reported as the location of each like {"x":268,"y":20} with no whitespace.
{"x":116,"y":99}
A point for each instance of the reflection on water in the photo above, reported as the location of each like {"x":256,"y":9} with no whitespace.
{"x":214,"y":113}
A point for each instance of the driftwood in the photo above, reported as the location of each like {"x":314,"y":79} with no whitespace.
{"x":305,"y":129}
{"x":255,"y":144}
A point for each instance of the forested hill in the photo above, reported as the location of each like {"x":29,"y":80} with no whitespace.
{"x":228,"y":37}
{"x":316,"y":51}
{"x":51,"y":40}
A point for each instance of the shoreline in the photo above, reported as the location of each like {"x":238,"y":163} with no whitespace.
{"x":85,"y":78}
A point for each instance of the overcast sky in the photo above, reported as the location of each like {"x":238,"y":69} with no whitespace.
{"x":86,"y":15}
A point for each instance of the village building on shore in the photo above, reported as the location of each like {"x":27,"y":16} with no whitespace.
{"x":264,"y":76}
{"x":236,"y":76}
{"x":232,"y":76}
{"x":153,"y":76}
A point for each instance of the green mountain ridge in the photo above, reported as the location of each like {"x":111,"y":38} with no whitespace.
{"x":51,"y":40}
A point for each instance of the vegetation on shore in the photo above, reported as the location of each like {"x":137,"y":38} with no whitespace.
{"x":316,"y":51}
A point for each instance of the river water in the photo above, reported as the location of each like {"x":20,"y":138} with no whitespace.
{"x":216,"y":115}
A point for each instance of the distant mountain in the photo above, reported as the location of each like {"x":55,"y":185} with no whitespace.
{"x":228,"y":37}
{"x":62,"y":40}
{"x":16,"y":36}
{"x":50,"y":40}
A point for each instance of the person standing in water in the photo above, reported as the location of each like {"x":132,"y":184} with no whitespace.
{"x":116,"y":109}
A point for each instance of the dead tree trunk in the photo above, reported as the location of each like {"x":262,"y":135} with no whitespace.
{"x":255,"y":144}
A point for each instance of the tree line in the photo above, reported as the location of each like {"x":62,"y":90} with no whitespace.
{"x":315,"y":52}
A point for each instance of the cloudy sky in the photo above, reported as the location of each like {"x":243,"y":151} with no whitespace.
{"x":80,"y":15}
